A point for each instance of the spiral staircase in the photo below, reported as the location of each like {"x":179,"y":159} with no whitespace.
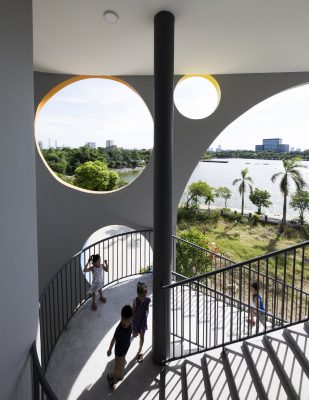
{"x":214,"y":352}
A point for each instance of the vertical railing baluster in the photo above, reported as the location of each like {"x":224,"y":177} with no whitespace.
{"x":275,"y":293}
{"x":293,"y":285}
{"x":198,"y":315}
{"x":190,"y":318}
{"x":223,"y":311}
{"x":266,"y":292}
{"x":182,"y":319}
{"x":58,"y":305}
{"x":301,"y":283}
{"x":232,"y":305}
{"x":207,"y":315}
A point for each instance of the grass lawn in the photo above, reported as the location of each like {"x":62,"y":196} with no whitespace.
{"x":240,"y":242}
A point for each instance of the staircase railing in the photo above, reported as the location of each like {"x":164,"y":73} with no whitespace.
{"x":128,"y":254}
{"x":213,"y":309}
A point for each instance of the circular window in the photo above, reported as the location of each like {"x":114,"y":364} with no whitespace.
{"x":197,"y":97}
{"x":95,"y":134}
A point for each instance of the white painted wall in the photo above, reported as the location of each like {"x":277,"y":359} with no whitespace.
{"x":67,"y":217}
{"x":18,"y":224}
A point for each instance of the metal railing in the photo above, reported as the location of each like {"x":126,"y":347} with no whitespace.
{"x":212,"y":309}
{"x":128,"y":254}
{"x":40,"y":387}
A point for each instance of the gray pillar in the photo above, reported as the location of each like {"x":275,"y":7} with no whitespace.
{"x":18,"y":225}
{"x":163,"y":168}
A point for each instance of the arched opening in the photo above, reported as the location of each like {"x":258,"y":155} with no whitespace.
{"x":278,"y":121}
{"x":87,"y":133}
{"x":127,"y":252}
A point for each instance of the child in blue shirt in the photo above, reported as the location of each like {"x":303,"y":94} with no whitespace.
{"x":257,"y":305}
{"x":122,"y":341}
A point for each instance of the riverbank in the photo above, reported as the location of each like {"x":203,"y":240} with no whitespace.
{"x":261,"y":171}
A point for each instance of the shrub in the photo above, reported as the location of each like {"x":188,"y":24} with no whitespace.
{"x":191,"y":261}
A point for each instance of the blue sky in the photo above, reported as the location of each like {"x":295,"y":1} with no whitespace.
{"x":95,"y":110}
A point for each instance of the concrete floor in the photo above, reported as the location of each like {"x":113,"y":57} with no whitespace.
{"x":78,"y":366}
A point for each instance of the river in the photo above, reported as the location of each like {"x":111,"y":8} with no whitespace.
{"x":261,"y":171}
{"x":223,"y":174}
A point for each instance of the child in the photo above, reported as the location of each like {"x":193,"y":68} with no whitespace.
{"x":257,"y":305}
{"x":140,"y":311}
{"x":122,"y":338}
{"x":97,"y":278}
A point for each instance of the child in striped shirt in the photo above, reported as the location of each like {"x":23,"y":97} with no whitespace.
{"x":97,"y":270}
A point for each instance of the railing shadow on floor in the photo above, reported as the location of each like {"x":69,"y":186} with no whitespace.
{"x":129,"y":254}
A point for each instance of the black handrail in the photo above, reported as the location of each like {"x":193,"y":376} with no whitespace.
{"x":236,"y":265}
{"x":67,"y":289}
{"x":40,"y":388}
{"x":213,"y":309}
{"x":84,"y":250}
{"x":129,"y":254}
{"x":196,"y":246}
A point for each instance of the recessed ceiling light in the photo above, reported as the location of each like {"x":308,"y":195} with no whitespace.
{"x":111,"y":17}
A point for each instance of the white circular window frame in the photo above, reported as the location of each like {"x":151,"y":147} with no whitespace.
{"x":48,"y":96}
{"x":214,"y":84}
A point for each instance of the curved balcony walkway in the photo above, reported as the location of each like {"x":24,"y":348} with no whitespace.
{"x":269,"y":367}
{"x":79,"y":364}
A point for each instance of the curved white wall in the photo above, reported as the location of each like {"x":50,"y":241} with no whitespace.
{"x":18,"y":224}
{"x":67,"y":217}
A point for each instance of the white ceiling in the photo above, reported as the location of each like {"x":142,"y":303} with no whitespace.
{"x":211,"y":36}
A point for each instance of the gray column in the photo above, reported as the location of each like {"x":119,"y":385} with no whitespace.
{"x":18,"y":225}
{"x":163,"y":169}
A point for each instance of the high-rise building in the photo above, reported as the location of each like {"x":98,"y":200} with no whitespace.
{"x":92,"y":145}
{"x":109,"y":143}
{"x":274,"y":145}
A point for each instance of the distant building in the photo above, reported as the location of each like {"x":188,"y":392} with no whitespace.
{"x":110,"y":144}
{"x":274,"y":145}
{"x":92,"y":145}
{"x":219,"y":148}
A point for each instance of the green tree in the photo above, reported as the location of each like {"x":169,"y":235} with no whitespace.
{"x":56,"y":160}
{"x":94,"y":175}
{"x":223,"y":192}
{"x":209,"y":196}
{"x":260,"y":198}
{"x":196,"y":191}
{"x":300,"y":202}
{"x":245,"y":181}
{"x":290,"y":174}
{"x":191,"y":261}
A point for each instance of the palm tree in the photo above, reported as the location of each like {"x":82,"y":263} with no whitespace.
{"x":245,"y":181}
{"x":290,"y":173}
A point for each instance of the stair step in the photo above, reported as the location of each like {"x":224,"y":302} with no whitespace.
{"x":207,"y":383}
{"x":229,"y":376}
{"x":278,"y":354}
{"x":194,"y":381}
{"x":240,"y":375}
{"x":173,"y":383}
{"x":290,"y":364}
{"x":262,"y":395}
{"x":299,"y":352}
{"x":217,"y":377}
{"x":267,"y":374}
